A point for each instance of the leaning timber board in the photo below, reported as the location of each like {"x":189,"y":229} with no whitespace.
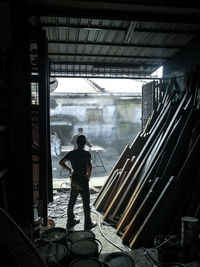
{"x":143,"y":152}
{"x":113,"y":180}
{"x":139,"y":237}
{"x":145,"y":182}
{"x":119,"y":164}
{"x":117,"y":203}
{"x":146,"y":162}
{"x":131,"y":151}
{"x":174,"y":201}
{"x":121,"y":177}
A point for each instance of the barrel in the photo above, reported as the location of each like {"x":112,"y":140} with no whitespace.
{"x":85,"y":262}
{"x":89,"y":247}
{"x":57,"y":234}
{"x":53,"y":253}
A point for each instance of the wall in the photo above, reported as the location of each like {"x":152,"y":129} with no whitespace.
{"x":106,"y":120}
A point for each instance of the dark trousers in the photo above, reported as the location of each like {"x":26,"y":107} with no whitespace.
{"x":83,"y":190}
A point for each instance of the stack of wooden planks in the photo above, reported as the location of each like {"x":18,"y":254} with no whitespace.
{"x":156,"y":179}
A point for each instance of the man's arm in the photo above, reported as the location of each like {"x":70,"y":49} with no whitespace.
{"x":89,"y":171}
{"x":89,"y":167}
{"x":63,"y":164}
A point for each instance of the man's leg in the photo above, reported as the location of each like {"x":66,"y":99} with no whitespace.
{"x":85,"y":194}
{"x":72,"y":201}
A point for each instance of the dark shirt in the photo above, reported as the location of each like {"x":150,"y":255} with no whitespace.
{"x":79,"y":159}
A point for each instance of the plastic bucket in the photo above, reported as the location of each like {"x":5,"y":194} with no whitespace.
{"x":167,"y":248}
{"x":89,"y":247}
{"x":119,"y":259}
{"x":56,"y":234}
{"x":78,"y":235}
{"x":53,"y":252}
{"x":189,"y":230}
{"x":85,"y":262}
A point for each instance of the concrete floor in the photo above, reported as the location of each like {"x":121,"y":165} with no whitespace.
{"x":58,"y":212}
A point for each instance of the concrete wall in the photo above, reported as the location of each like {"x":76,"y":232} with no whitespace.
{"x":106,"y":120}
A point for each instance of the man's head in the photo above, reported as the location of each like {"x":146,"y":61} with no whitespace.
{"x":80,"y":130}
{"x":81,"y":140}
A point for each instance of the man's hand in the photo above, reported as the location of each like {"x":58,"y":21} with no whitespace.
{"x":87,"y":176}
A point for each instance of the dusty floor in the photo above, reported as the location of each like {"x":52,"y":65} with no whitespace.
{"x":103,"y":232}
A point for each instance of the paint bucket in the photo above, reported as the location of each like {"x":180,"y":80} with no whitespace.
{"x":56,"y":234}
{"x":53,"y":253}
{"x":189,"y":238}
{"x":167,"y":248}
{"x":189,"y":230}
{"x":55,"y":265}
{"x":78,"y":235}
{"x":119,"y":259}
{"x":85,"y":262}
{"x":89,"y":247}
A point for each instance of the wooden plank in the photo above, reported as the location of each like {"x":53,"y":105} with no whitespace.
{"x":121,"y":197}
{"x":120,"y":162}
{"x":137,"y":239}
{"x":144,"y":184}
{"x":121,"y":177}
{"x":141,"y":213}
{"x":129,"y":151}
{"x":172,"y":207}
{"x":113,"y":180}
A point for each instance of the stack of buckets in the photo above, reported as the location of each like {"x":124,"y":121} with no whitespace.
{"x":59,"y":247}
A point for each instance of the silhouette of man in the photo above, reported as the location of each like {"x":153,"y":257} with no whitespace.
{"x":75,"y":136}
{"x":81,"y":168}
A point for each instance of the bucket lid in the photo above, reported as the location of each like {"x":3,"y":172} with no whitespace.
{"x":54,"y":234}
{"x":85,"y":262}
{"x":84,"y":247}
{"x":119,"y":259}
{"x":77,"y":235}
{"x":55,"y":249}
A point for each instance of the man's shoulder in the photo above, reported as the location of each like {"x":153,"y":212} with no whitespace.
{"x":87,"y":153}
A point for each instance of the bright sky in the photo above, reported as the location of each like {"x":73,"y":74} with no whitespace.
{"x":80,"y":85}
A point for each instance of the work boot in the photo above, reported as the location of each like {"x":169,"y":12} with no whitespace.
{"x":72,"y":223}
{"x":89,"y":226}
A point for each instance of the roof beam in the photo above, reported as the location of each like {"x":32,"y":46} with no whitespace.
{"x":118,"y":29}
{"x":96,"y":74}
{"x":119,"y":76}
{"x":115,"y":44}
{"x":106,"y":64}
{"x":130,"y":31}
{"x":108,"y":56}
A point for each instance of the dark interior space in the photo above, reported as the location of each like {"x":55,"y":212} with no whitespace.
{"x":153,"y":187}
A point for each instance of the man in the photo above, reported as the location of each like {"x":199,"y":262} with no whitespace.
{"x":81,"y":168}
{"x":75,"y":136}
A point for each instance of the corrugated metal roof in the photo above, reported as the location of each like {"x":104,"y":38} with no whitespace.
{"x":93,"y":44}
